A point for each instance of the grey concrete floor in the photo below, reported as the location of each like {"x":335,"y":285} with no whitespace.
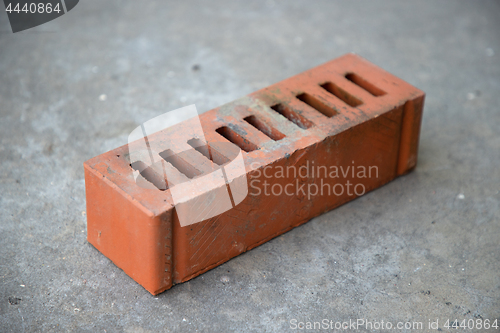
{"x":424,"y":247}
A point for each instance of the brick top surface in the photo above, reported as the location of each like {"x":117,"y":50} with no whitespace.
{"x":318,"y":103}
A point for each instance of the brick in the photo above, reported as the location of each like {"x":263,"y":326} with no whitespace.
{"x":346,"y":112}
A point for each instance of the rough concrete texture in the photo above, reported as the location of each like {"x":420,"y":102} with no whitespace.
{"x":425,"y":246}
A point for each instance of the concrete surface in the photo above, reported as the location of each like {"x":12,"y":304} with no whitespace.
{"x":425,"y":246}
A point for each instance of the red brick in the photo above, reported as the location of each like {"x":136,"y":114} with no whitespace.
{"x":346,"y":110}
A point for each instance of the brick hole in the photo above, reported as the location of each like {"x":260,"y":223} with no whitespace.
{"x":237,"y":139}
{"x":180,"y":164}
{"x":150,"y":175}
{"x":317,"y":105}
{"x":265,"y":128}
{"x":294,"y":117}
{"x":208,"y":151}
{"x":362,"y":83}
{"x":341,"y":94}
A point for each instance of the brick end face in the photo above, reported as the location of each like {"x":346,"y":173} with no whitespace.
{"x":135,"y":241}
{"x":410,"y":134}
